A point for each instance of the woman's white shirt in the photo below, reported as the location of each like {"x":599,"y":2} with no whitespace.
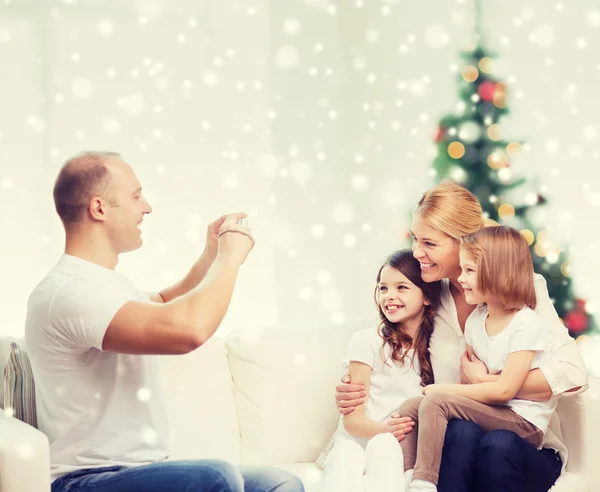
{"x":564,"y":371}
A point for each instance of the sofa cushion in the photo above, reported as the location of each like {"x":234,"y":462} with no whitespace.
{"x":198,"y":392}
{"x":4,"y":351}
{"x":19,"y":388}
{"x":284,"y":390}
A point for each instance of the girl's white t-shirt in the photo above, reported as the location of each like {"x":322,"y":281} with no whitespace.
{"x":565,"y":370}
{"x":391,"y":382}
{"x":523,"y":332}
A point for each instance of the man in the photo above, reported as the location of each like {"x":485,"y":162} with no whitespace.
{"x":90,"y":334}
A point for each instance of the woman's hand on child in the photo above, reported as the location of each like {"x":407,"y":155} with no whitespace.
{"x":348,"y":396}
{"x":399,"y":426}
{"x":472,"y":371}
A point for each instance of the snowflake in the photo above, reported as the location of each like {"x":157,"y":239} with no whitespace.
{"x":436,"y":36}
{"x":300,"y":172}
{"x":82,"y":88}
{"x":286,"y":57}
{"x":291,"y":26}
{"x":37,"y":124}
{"x":343,"y":212}
{"x":111,"y":125}
{"x":133,"y":104}
{"x":349,"y":240}
{"x":105,"y":27}
{"x":318,"y":230}
{"x":543,"y":35}
{"x":305,"y":294}
{"x":372,"y":36}
{"x":551,"y":146}
{"x":210,"y":79}
{"x":149,"y":435}
{"x":143,"y":394}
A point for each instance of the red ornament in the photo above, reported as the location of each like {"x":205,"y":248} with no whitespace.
{"x":580,"y":304}
{"x":576,"y":321}
{"x":487,"y":90}
{"x":440,"y":134}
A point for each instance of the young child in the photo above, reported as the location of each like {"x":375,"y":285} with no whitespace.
{"x":392,"y":361}
{"x":506,"y":334}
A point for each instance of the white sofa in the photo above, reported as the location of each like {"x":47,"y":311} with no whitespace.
{"x":258,"y":397}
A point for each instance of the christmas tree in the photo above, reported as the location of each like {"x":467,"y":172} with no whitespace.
{"x":471,"y":152}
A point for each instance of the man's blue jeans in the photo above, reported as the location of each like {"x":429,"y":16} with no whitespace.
{"x":497,"y":461}
{"x":180,"y":476}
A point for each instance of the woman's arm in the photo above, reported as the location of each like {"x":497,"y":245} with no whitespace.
{"x":565,"y":372}
{"x":498,"y":392}
{"x":357,"y":423}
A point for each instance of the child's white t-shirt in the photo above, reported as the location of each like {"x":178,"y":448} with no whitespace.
{"x":524,"y":332}
{"x":97,"y":408}
{"x":391,"y":382}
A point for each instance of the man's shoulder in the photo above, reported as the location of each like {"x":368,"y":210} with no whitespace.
{"x":67,"y":290}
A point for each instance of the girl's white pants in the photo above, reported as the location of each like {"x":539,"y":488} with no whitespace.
{"x":377,"y":468}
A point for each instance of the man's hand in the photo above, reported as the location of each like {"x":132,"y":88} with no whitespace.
{"x":348,"y":396}
{"x":399,"y":426}
{"x":234,"y":240}
{"x":212,"y":238}
{"x":472,"y":371}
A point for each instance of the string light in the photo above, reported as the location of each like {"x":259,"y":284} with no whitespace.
{"x":494,"y":132}
{"x":505,"y":174}
{"x":500,"y":95}
{"x":539,"y":250}
{"x":506,"y":211}
{"x":470,"y":73}
{"x":456,"y":150}
{"x":513,"y":148}
{"x":485,"y":64}
{"x":552,"y":255}
{"x":498,"y":160}
{"x":528,"y":235}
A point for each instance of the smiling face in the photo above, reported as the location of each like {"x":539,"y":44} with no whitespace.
{"x":436,"y":251}
{"x":123,"y":219}
{"x":468,"y":278}
{"x":399,"y":299}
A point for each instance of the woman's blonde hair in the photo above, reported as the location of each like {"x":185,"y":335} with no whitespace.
{"x":451,"y":209}
{"x":504,"y":265}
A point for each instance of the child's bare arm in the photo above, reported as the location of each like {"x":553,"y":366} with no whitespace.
{"x":509,"y":382}
{"x":357,"y":423}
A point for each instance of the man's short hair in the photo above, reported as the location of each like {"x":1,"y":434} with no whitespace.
{"x":81,"y":178}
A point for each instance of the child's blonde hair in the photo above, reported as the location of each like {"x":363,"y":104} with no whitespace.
{"x":504,"y":265}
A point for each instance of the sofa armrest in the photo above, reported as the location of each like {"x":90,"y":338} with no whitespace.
{"x":24,"y":457}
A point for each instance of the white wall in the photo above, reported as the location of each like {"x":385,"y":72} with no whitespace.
{"x":315,"y":117}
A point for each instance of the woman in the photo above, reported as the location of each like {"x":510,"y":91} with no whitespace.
{"x":473,"y":460}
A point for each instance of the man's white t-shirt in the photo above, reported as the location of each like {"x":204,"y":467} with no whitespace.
{"x":523,"y":332}
{"x":391,"y":382}
{"x":97,"y":408}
